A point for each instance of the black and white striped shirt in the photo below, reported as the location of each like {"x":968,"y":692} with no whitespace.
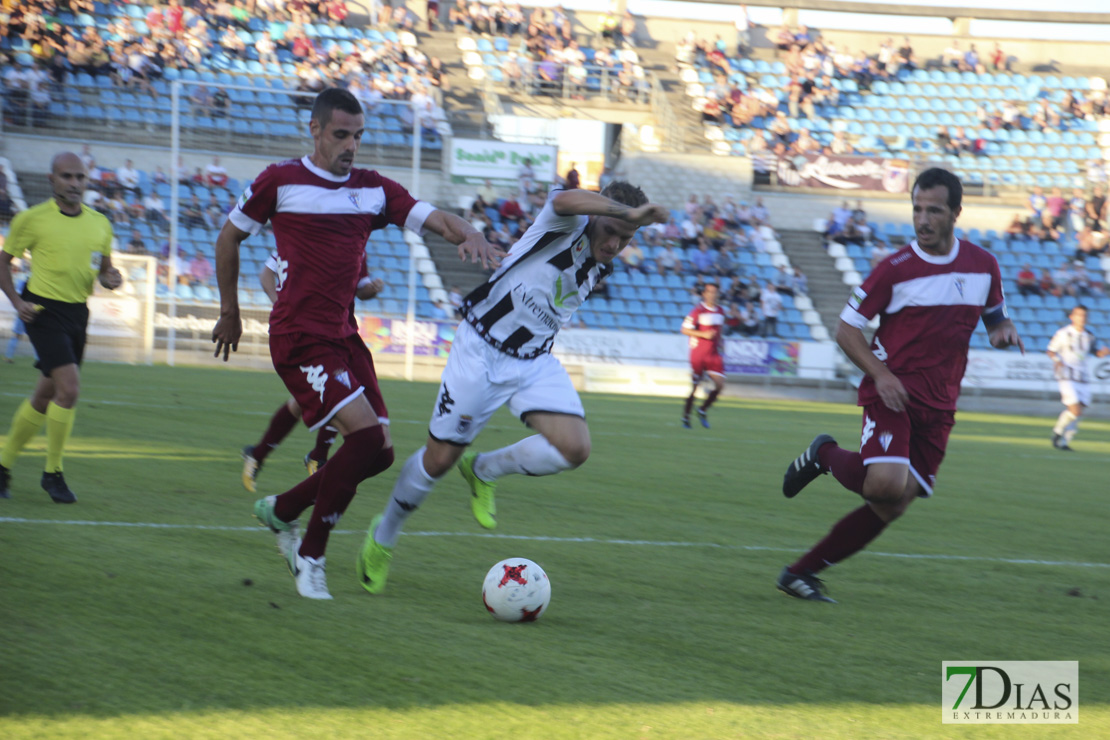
{"x":546,"y":276}
{"x":1072,"y":347}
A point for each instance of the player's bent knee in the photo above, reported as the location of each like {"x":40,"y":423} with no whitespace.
{"x":883,"y":491}
{"x":575,"y":452}
{"x":382,"y":462}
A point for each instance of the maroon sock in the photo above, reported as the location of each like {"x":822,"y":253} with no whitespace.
{"x":361,"y":455}
{"x":847,"y":537}
{"x":846,"y":466}
{"x":324,"y":440}
{"x":712,"y":397}
{"x":289,"y":505}
{"x":689,"y":405}
{"x":281,"y":423}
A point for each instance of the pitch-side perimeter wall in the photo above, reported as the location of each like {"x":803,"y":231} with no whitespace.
{"x":645,"y":363}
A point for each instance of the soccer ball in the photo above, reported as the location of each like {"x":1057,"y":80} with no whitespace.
{"x":516,"y":590}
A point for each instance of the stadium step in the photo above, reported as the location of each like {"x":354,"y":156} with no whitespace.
{"x":826,"y":287}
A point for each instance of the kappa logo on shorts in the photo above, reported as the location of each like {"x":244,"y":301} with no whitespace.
{"x":868,"y":430}
{"x":316,"y":377}
{"x":464,"y":424}
{"x":445,"y":402}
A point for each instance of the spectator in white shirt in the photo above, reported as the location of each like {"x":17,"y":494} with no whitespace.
{"x":668,"y":260}
{"x":128,"y":177}
{"x":215,"y":174}
{"x":770,"y":304}
{"x":759,"y":213}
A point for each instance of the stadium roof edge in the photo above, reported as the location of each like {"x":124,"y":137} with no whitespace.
{"x":873,"y":8}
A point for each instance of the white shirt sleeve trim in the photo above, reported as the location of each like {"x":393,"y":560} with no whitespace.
{"x":243,"y":222}
{"x":418,"y":215}
{"x":852,"y":317}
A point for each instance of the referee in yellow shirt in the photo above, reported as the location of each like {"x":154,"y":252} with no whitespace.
{"x":70,"y":245}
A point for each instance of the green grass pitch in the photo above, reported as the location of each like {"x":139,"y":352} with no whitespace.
{"x":156,"y":608}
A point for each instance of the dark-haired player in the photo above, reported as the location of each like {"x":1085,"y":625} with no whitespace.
{"x":1069,"y":348}
{"x":704,"y":325}
{"x":502,"y":355}
{"x":323,"y":209}
{"x":930,"y":296}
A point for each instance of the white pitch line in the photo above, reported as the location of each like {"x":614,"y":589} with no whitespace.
{"x":572,"y":540}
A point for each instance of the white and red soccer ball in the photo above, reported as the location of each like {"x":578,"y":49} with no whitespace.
{"x":516,"y":590}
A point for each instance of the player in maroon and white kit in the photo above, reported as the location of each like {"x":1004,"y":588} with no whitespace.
{"x":704,"y":325}
{"x":929,"y":297}
{"x":323,"y":210}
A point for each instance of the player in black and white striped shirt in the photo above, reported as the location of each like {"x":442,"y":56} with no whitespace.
{"x":1069,"y":348}
{"x":502,"y":355}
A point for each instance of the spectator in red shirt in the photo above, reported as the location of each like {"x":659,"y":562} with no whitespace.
{"x":337,"y":11}
{"x":174,"y":18}
{"x":1027,"y":281}
{"x":303,"y":48}
{"x":510,"y":209}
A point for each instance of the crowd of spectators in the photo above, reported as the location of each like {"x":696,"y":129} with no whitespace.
{"x":816,"y":70}
{"x":544,"y":54}
{"x":141,"y":218}
{"x":214,"y":34}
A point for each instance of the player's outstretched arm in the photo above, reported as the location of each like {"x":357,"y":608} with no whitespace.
{"x":1004,"y":335}
{"x":469,"y":240}
{"x":229,"y":327}
{"x":589,"y":203}
{"x":887,"y":384}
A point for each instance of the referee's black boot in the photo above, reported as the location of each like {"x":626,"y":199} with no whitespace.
{"x":5,"y":482}
{"x":55,"y":485}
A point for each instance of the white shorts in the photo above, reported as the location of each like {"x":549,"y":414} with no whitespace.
{"x":1073,"y":392}
{"x":479,"y":379}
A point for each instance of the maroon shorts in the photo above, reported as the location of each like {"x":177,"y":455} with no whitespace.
{"x":324,"y":375}
{"x":916,"y":437}
{"x":709,"y":362}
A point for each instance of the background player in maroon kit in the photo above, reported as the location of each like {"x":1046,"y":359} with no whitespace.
{"x":929,"y":296}
{"x":704,"y":325}
{"x":323,"y":210}
{"x":289,"y":413}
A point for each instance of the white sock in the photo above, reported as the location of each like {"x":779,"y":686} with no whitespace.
{"x":412,"y":487}
{"x":530,"y":456}
{"x":1066,"y":418}
{"x":1070,"y":430}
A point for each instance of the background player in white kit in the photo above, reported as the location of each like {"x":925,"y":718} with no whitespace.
{"x":1069,"y":349}
{"x":502,"y":354}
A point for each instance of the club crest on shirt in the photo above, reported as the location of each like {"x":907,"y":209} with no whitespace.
{"x":355,"y":196}
{"x":960,"y":286}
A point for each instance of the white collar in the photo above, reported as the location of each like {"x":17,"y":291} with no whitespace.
{"x":935,"y":259}
{"x":307,"y":162}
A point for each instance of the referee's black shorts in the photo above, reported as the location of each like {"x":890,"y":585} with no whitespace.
{"x":58,"y":332}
